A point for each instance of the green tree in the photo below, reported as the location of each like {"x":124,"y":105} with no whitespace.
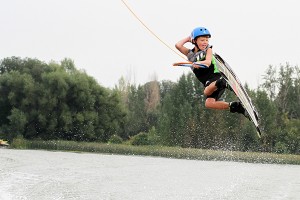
{"x":56,"y":101}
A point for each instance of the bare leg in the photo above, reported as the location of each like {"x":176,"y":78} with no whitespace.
{"x":210,"y":89}
{"x":218,"y":105}
{"x":211,"y":102}
{"x":221,"y":105}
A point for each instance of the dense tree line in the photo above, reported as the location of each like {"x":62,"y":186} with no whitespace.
{"x":58,"y":101}
{"x":176,"y":113}
{"x":55,"y":101}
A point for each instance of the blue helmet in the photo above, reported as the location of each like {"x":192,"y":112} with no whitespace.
{"x":200,"y":31}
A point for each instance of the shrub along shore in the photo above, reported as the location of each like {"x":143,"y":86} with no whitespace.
{"x":160,"y":151}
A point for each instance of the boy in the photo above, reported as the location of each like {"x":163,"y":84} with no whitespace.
{"x":210,"y":77}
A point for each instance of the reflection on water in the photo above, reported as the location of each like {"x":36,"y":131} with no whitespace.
{"x":38,"y":175}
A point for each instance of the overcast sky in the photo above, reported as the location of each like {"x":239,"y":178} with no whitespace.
{"x":104,"y":38}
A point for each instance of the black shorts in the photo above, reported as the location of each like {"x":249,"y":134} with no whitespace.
{"x":218,"y":93}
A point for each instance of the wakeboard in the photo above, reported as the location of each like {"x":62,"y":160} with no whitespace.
{"x":239,"y":90}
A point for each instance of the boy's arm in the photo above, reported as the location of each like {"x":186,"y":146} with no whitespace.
{"x":207,"y":60}
{"x":180,"y":45}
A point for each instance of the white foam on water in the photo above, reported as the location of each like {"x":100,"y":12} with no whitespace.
{"x":38,"y":175}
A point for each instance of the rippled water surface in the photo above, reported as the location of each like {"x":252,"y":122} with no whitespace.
{"x":38,"y":175}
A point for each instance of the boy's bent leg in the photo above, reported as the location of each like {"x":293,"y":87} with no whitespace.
{"x":218,"y":105}
{"x":209,"y":89}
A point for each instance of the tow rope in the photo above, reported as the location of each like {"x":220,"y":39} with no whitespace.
{"x":151,"y":30}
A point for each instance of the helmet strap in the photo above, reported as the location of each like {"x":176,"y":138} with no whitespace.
{"x":196,"y":45}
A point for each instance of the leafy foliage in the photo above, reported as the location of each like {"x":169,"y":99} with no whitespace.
{"x":140,"y":139}
{"x":55,"y":101}
{"x":115,"y":139}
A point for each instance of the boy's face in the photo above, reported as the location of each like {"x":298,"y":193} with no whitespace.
{"x":202,"y":42}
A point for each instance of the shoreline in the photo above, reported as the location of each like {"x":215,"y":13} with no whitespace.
{"x":159,"y":151}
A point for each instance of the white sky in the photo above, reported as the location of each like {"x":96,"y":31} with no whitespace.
{"x":104,"y":38}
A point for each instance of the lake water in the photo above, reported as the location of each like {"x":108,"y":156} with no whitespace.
{"x":39,"y":175}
